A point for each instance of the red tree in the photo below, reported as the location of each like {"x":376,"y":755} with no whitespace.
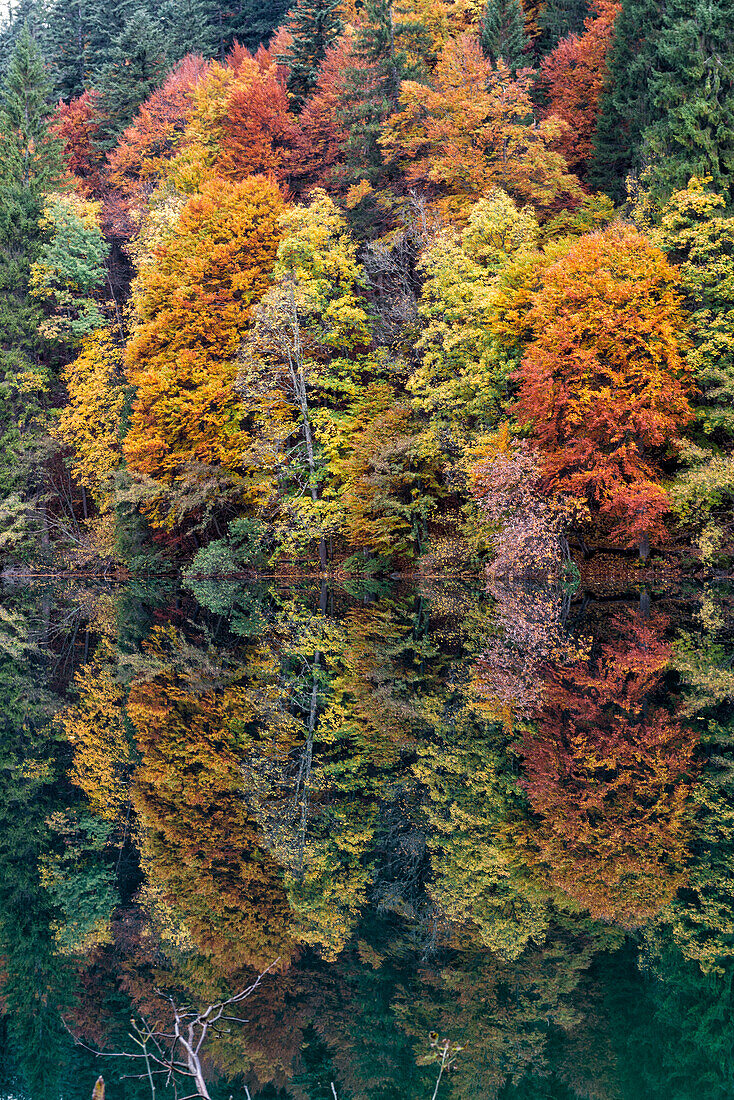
{"x":77,"y":125}
{"x":573,"y":75}
{"x":603,"y":383}
{"x":145,"y":147}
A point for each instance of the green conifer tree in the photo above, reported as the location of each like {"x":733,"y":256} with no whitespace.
{"x":667,"y":109}
{"x":314,"y":25}
{"x":626,"y":107}
{"x":67,"y":45}
{"x":136,"y":67}
{"x":192,"y":26}
{"x":503,"y":33}
{"x":17,"y":14}
{"x":692,"y":94}
{"x":250,"y":22}
{"x":30,"y":165}
{"x":391,"y":46}
{"x":556,"y":20}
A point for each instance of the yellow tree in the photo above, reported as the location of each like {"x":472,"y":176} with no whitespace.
{"x":193,"y":301}
{"x":462,"y":380}
{"x":474,"y":130}
{"x":307,"y":357}
{"x":89,"y":424}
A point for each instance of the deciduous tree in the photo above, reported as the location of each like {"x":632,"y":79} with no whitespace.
{"x":475,"y":130}
{"x":193,"y":302}
{"x":603,"y":384}
{"x":573,"y":76}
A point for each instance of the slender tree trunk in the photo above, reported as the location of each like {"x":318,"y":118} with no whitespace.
{"x":644,"y":548}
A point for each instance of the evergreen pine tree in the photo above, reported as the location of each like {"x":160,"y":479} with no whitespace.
{"x":503,"y":33}
{"x":136,"y":67}
{"x":192,"y":26}
{"x":667,"y":110}
{"x":30,"y":165}
{"x":66,"y":45}
{"x":250,"y":22}
{"x":692,"y":99}
{"x":18,"y":14}
{"x":314,"y":25}
{"x":558,"y":19}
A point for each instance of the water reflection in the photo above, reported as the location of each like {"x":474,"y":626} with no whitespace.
{"x":481,"y":836}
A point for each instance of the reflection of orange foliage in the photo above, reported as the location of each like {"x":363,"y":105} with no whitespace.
{"x":199,"y":844}
{"x":609,"y":773}
{"x":574,"y":74}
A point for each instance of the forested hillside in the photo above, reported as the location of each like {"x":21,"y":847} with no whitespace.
{"x":363,"y":284}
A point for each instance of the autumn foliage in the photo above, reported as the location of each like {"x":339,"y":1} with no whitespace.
{"x":603,"y":385}
{"x":474,"y":129}
{"x":194,"y":301}
{"x":609,"y":775}
{"x":573,"y":76}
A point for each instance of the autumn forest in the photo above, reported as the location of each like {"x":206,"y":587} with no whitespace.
{"x":367,"y":550}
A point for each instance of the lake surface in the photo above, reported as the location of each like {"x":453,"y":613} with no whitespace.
{"x":479,"y":839}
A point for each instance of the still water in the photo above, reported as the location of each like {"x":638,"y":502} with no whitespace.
{"x":465,"y":842}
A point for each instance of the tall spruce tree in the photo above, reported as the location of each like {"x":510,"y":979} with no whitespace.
{"x":17,"y":15}
{"x":692,"y":94}
{"x":503,"y":33}
{"x":668,"y":106}
{"x":558,"y":19}
{"x":250,"y":22}
{"x":314,"y":25}
{"x":67,"y":45}
{"x":137,"y":64}
{"x":30,"y":165}
{"x":191,"y":26}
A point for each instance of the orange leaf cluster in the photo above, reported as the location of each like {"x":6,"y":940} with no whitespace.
{"x":603,"y":383}
{"x":474,"y":130}
{"x":194,"y":302}
{"x":574,"y":75}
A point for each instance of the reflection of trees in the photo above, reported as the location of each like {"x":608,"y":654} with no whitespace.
{"x":474,"y":811}
{"x":516,"y":1021}
{"x":346,"y":793}
{"x":608,"y":772}
{"x":529,"y":632}
{"x":199,"y":843}
{"x":375,"y":664}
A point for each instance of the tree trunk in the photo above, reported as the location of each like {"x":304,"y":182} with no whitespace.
{"x":644,"y":548}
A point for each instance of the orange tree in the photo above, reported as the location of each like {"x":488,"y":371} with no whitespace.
{"x":193,"y":298}
{"x":603,"y":386}
{"x":573,"y":75}
{"x":474,"y":130}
